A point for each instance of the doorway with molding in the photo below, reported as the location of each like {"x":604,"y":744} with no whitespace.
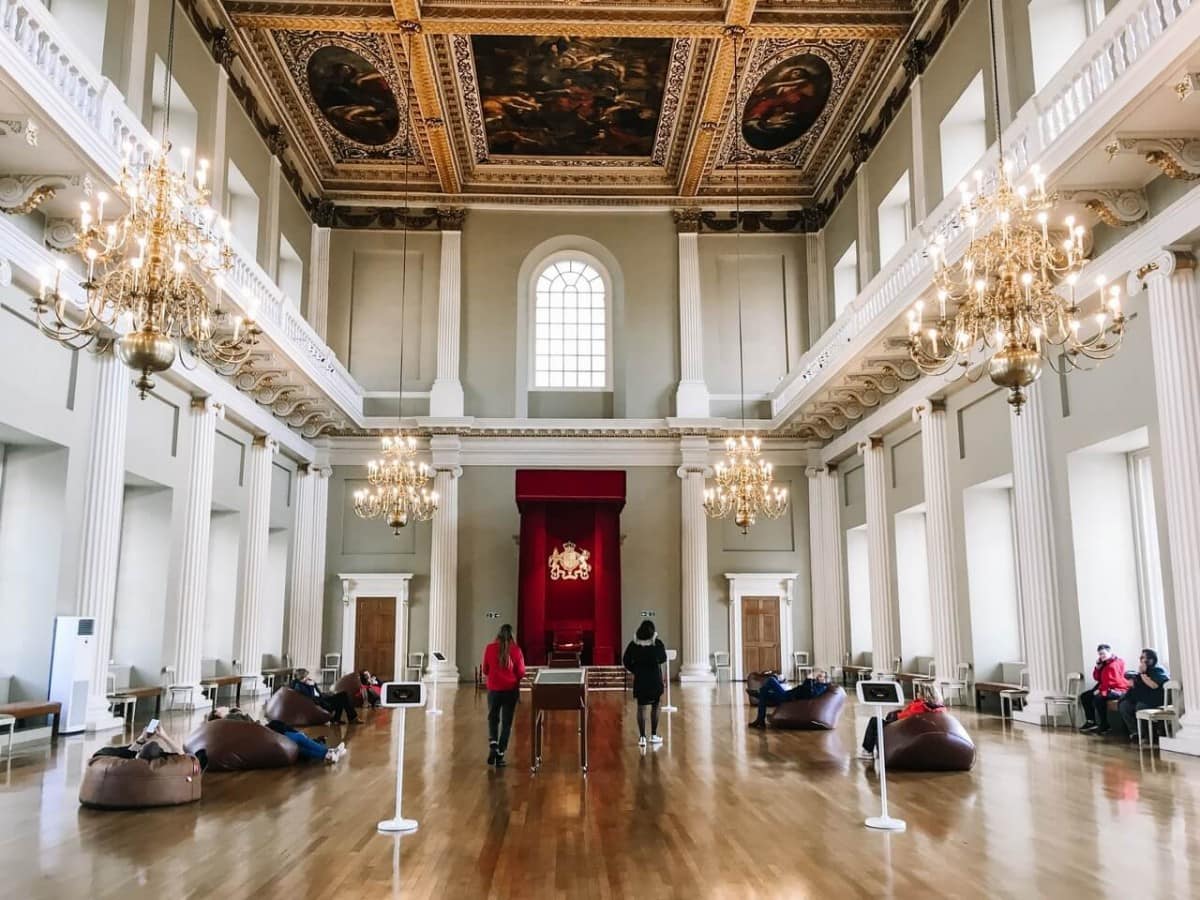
{"x":761,"y":645}
{"x":375,"y":636}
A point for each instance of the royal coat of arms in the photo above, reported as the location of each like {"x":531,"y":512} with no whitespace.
{"x":569,"y":563}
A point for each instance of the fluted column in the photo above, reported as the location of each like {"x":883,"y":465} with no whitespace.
{"x":695,"y":665}
{"x":318,"y":281}
{"x":885,"y":631}
{"x":299,"y":649}
{"x":255,"y":538}
{"x":939,"y":538}
{"x":193,"y":581}
{"x":99,"y":552}
{"x":816,"y":555}
{"x":691,"y":398}
{"x":316,"y":570}
{"x":443,"y":562}
{"x":1037,"y":571}
{"x":1175,"y":332}
{"x":446,"y":398}
{"x":833,"y":566}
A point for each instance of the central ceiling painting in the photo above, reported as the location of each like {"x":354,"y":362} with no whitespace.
{"x":568,"y":96}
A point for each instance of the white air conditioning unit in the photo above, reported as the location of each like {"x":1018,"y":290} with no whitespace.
{"x":72,"y":661}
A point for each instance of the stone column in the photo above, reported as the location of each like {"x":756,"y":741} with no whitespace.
{"x":316,"y":565}
{"x":1037,"y":572}
{"x":318,"y":281}
{"x":816,"y":554}
{"x":99,"y":553}
{"x":695,"y":664}
{"x":255,"y":537}
{"x":833,"y":565}
{"x":1175,"y":332}
{"x":299,"y":650}
{"x":193,"y":580}
{"x":885,"y":630}
{"x":691,"y":397}
{"x":446,"y":397}
{"x":939,"y":538}
{"x":443,"y":563}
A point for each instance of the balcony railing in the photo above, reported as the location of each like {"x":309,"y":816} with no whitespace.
{"x":1050,"y":129}
{"x":89,"y":111}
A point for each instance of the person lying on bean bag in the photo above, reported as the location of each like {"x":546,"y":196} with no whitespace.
{"x":337,"y":703}
{"x":928,"y":699}
{"x":772,"y":693}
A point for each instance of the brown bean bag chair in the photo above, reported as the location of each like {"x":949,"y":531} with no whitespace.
{"x":820,"y":713}
{"x":233,"y":745}
{"x":110,"y":782}
{"x":353,"y":688}
{"x":293,"y":708}
{"x":931,"y":742}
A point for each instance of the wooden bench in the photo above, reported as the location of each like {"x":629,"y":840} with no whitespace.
{"x":853,"y":671}
{"x":142,"y":693}
{"x":992,"y":687}
{"x":219,"y":681}
{"x":29,"y":709}
{"x":273,"y":679}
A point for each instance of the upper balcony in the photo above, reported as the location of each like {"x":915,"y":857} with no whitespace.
{"x":78,"y":113}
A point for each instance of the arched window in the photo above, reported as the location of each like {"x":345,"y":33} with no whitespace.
{"x":571,"y":348}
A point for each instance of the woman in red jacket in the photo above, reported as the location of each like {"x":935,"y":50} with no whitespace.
{"x":503,"y":667}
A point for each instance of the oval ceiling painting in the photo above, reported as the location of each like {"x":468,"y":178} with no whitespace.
{"x":786,"y":102}
{"x":353,"y":95}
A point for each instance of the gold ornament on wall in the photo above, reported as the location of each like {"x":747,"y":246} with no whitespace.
{"x":569,"y":563}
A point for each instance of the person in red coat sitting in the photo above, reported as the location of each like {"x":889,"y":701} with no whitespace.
{"x":928,"y":699}
{"x":1111,"y":684}
{"x":503,"y":667}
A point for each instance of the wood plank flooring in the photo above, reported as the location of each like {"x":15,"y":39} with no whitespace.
{"x":717,"y":811}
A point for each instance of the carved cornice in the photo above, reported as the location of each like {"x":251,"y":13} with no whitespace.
{"x":1118,"y":207}
{"x":21,"y":194}
{"x":1177,"y":157}
{"x":809,"y":219}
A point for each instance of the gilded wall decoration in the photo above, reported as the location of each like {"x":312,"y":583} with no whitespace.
{"x":569,"y":563}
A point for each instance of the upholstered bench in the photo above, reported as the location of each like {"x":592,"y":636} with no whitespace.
{"x":293,"y":708}
{"x":31,"y":709}
{"x":233,"y":745}
{"x":930,"y":742}
{"x":110,"y":782}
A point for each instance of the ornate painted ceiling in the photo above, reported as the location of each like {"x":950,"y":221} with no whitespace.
{"x":565,"y":101}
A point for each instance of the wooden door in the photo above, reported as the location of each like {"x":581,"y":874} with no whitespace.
{"x":375,"y":636}
{"x":760,"y":635}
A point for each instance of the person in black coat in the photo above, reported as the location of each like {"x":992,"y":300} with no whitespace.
{"x":644,"y":657}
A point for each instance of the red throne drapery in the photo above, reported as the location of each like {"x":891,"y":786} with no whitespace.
{"x":584,"y":507}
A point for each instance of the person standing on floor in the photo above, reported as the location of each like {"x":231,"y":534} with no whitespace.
{"x":644,"y":657}
{"x":503,"y":668}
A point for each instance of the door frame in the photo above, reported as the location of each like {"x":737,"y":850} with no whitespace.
{"x":374,"y":584}
{"x":760,"y":584}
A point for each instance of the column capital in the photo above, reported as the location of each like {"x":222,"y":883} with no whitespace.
{"x":693,"y":469}
{"x":928,"y":406}
{"x":203,"y":405}
{"x":267,"y":442}
{"x":694,"y":454}
{"x":1163,"y":264}
{"x":687,"y":219}
{"x":451,"y":218}
{"x":874,"y":442}
{"x":446,"y":450}
{"x":319,"y":470}
{"x":815,"y":471}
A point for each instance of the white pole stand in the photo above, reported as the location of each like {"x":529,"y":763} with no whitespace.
{"x":667,"y":707}
{"x":433,"y":709}
{"x":883,"y":822}
{"x":398,"y":823}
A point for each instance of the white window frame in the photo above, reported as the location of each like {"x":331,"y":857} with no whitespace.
{"x":568,"y":255}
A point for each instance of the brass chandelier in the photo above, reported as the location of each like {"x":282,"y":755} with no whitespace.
{"x":150,"y":270}
{"x":399,"y":491}
{"x":744,"y":481}
{"x":1004,"y":291}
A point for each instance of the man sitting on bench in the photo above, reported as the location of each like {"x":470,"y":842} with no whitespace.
{"x":1109,"y":675}
{"x":336,"y":703}
{"x":772,"y":693}
{"x":1147,"y":691}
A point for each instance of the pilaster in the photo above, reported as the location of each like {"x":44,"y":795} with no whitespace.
{"x":443,"y":563}
{"x":318,"y":281}
{"x":816,"y":553}
{"x":1175,"y":333}
{"x":1037,"y":571}
{"x":299,"y":650}
{"x":820,"y":305}
{"x":885,"y":630}
{"x":103,"y":498}
{"x":446,"y":397}
{"x":833,"y":565}
{"x":866,"y":229}
{"x":270,"y":221}
{"x":691,"y":398}
{"x":695,"y":664}
{"x":948,"y":651}
{"x":193,"y":585}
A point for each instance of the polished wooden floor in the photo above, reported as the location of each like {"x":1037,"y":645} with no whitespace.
{"x":716,"y":811}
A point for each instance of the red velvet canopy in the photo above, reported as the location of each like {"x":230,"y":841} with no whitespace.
{"x":583,"y":507}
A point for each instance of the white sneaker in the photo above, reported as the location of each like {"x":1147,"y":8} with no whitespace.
{"x":865,"y":754}
{"x":642,"y":742}
{"x":655,"y":739}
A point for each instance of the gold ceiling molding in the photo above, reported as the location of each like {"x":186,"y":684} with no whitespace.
{"x":429,"y":103}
